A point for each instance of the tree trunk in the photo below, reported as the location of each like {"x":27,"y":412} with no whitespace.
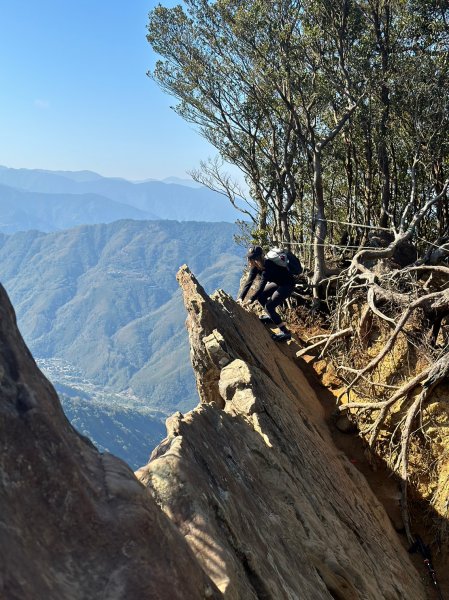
{"x":285,"y":233}
{"x":384,"y":163}
{"x":263,"y":215}
{"x":320,"y":226}
{"x":382,"y":26}
{"x":442,"y":206}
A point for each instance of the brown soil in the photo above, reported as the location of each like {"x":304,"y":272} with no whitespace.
{"x":382,"y":481}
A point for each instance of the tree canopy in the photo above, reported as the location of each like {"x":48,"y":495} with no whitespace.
{"x":335,"y":111}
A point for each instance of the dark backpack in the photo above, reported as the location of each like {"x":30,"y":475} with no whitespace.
{"x":285,"y":258}
{"x":294,"y":264}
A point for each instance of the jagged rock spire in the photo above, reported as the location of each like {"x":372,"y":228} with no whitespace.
{"x":253,"y":481}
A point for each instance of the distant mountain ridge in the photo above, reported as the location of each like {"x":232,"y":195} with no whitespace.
{"x":23,"y":210}
{"x":152,"y":199}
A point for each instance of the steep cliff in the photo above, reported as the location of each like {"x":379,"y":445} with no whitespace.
{"x":253,"y":481}
{"x":75,"y":524}
{"x":256,"y":501}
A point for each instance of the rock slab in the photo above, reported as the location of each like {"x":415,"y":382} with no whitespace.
{"x":253,"y":481}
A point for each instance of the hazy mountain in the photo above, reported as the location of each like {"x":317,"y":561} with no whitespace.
{"x":21,"y":210}
{"x":77,"y":175}
{"x":181,"y":181}
{"x":155,"y":198}
{"x":176,"y":180}
{"x":100,"y":309}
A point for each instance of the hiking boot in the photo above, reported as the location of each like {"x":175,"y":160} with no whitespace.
{"x":282,"y":337}
{"x":265,"y":319}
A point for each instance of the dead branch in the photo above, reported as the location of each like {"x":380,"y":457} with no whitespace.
{"x":388,"y":346}
{"x":430,"y":377}
{"x":405,"y":389}
{"x":403,"y":460}
{"x":331,"y":338}
{"x":375,"y":310}
{"x":319,"y":336}
{"x":437,"y":373}
{"x":327,"y":340}
{"x":432,"y":268}
{"x":402,"y":236}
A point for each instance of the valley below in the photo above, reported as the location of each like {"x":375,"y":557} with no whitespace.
{"x":100,"y":309}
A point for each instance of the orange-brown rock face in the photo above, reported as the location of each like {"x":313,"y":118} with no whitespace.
{"x":75,"y":524}
{"x":254,"y":483}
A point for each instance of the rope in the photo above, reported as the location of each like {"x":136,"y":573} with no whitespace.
{"x":311,"y":244}
{"x":444,"y":247}
{"x":356,"y":225}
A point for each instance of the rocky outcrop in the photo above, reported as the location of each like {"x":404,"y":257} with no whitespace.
{"x":75,"y":524}
{"x":253,"y":481}
{"x":256,"y":501}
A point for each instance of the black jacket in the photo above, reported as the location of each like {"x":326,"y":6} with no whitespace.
{"x":271,"y":273}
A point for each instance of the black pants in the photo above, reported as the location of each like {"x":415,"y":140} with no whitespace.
{"x":272,"y":296}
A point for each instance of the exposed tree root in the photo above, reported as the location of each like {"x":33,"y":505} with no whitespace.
{"x":325,"y":341}
{"x":373,"y":290}
{"x":371,"y":303}
{"x":389,"y":345}
{"x":429,"y":378}
{"x":396,"y":292}
{"x":437,"y":373}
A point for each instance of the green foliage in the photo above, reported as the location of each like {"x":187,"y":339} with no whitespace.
{"x":332,"y":110}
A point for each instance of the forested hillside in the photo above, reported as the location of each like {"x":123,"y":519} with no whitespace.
{"x":100,"y":309}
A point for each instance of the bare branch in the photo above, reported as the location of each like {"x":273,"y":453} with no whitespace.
{"x":388,"y":346}
{"x":212,"y":176}
{"x":375,"y":310}
{"x":330,"y":338}
{"x":403,"y":236}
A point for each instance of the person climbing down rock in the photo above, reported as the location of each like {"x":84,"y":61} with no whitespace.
{"x":276,"y":285}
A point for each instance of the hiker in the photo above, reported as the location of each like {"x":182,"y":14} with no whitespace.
{"x":276,"y":285}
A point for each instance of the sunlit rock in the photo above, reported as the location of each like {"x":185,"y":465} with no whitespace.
{"x":253,"y":481}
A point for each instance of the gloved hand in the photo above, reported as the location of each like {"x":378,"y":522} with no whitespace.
{"x":244,"y":302}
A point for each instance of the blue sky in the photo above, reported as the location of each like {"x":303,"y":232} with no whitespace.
{"x":74,"y":92}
